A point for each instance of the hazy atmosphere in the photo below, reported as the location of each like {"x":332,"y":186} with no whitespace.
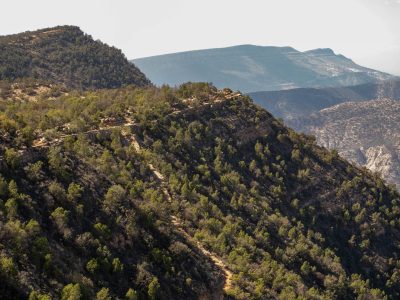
{"x":214,"y":150}
{"x":364,"y":30}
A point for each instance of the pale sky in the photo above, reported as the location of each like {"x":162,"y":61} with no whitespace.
{"x":367,"y":31}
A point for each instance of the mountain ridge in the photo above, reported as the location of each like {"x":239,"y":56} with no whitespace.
{"x":66,"y":55}
{"x":293,"y":103}
{"x":251,"y":68}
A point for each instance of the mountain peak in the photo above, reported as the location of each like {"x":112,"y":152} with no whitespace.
{"x":321,"y":51}
{"x":66,"y":55}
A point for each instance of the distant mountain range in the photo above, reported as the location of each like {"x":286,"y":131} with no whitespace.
{"x":290,"y":104}
{"x":66,"y":55}
{"x":250,"y":68}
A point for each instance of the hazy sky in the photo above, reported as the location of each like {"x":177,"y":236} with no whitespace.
{"x":368,"y":31}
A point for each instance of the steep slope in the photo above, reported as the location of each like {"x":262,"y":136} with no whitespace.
{"x":367,"y":133}
{"x":66,"y":55}
{"x":216,"y":173}
{"x":84,"y":215}
{"x":290,"y":104}
{"x":251,"y":68}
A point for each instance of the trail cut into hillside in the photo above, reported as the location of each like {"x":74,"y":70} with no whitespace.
{"x":179,"y":225}
{"x":176,"y":221}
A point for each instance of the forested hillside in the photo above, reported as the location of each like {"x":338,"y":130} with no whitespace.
{"x":82,"y":216}
{"x":66,"y":55}
{"x":118,"y":192}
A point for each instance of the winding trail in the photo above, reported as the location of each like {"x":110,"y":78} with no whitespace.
{"x":228,"y":275}
{"x":179,"y":225}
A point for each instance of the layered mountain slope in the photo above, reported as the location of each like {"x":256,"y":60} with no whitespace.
{"x":367,"y":133}
{"x":251,"y":68}
{"x":123,"y":188}
{"x":66,"y":55}
{"x":290,"y":104}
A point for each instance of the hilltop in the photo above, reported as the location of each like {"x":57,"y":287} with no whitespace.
{"x":250,"y":68}
{"x":66,"y":55}
{"x":185,"y":193}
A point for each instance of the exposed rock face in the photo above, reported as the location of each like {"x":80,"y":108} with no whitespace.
{"x":367,"y":133}
{"x":383,"y":160}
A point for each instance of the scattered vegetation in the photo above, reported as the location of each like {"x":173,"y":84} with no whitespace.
{"x":82,"y":216}
{"x":65,"y":55}
{"x":293,"y":220}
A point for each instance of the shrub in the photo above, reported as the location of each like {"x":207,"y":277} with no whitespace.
{"x":12,"y":158}
{"x":71,"y":292}
{"x":114,"y":197}
{"x":103,"y":294}
{"x":131,"y":295}
{"x":153,"y":288}
{"x":74,"y":192}
{"x":7,"y":266}
{"x":92,"y":266}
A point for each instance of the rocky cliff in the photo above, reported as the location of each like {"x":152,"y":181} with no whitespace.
{"x":367,"y":133}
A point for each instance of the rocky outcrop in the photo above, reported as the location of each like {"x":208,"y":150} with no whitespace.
{"x":384,"y":161}
{"x":367,"y":133}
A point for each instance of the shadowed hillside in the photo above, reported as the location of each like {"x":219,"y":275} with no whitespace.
{"x":179,"y":193}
